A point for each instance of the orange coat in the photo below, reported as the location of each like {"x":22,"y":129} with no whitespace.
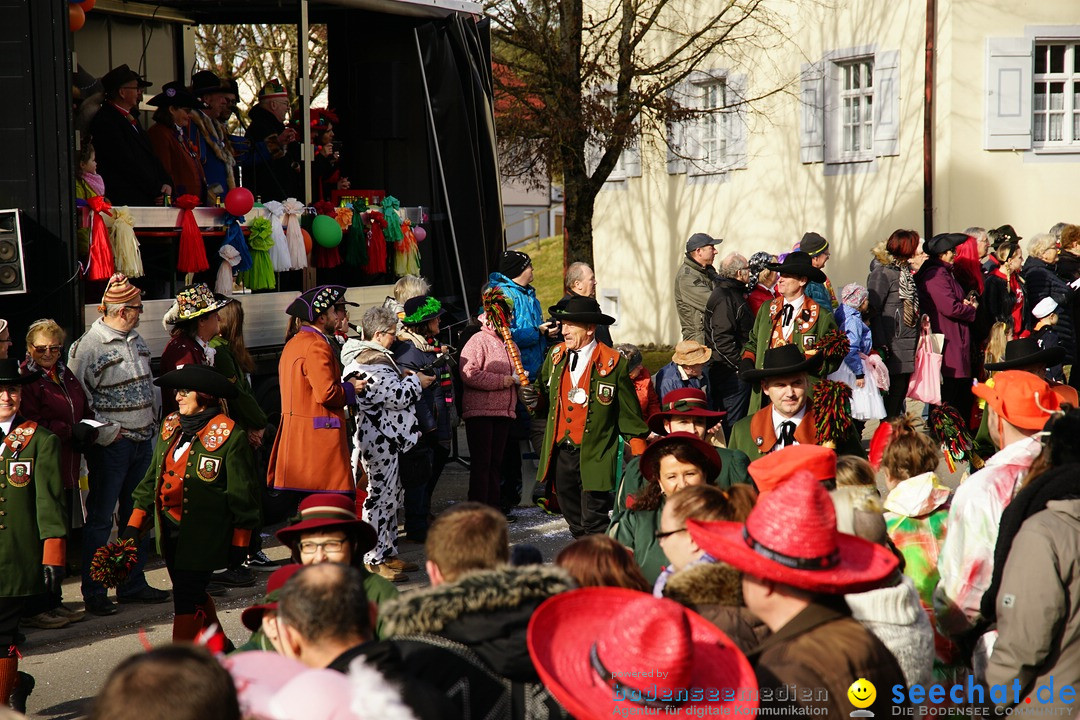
{"x":311,"y":451}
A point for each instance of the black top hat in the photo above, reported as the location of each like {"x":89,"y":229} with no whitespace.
{"x":580,"y":309}
{"x":10,"y":375}
{"x":174,"y":94}
{"x":1025,"y":352}
{"x":943,"y":243}
{"x":205,"y":81}
{"x":783,"y":361}
{"x":200,"y":378}
{"x":119,"y":75}
{"x":798,"y":264}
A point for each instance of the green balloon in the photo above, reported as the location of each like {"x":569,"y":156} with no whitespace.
{"x":326,"y":231}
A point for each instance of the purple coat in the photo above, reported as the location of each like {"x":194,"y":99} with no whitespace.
{"x":942,"y":299}
{"x":58,"y":406}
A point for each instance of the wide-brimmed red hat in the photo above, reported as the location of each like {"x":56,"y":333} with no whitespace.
{"x":252,"y":616}
{"x":601,"y":650}
{"x":773,"y":469}
{"x":790,"y":537}
{"x":650,"y":459}
{"x":690,"y":402}
{"x":328,"y":511}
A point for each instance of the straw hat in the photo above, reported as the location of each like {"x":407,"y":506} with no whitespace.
{"x":691,"y":352}
{"x":605,"y":650}
{"x":791,"y":538}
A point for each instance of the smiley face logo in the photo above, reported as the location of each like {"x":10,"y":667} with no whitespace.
{"x":862,"y":693}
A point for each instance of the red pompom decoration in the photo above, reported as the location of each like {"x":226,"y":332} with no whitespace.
{"x":833,"y":346}
{"x":239,"y":201}
{"x":112,"y":564}
{"x":831,"y":404}
{"x":192,"y":255}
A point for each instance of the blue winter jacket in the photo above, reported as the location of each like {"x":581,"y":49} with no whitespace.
{"x":527,"y":316}
{"x":858,"y":335}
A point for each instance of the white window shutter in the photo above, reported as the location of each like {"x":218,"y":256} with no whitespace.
{"x":631,"y":157}
{"x":677,"y":132}
{"x":887,"y":103}
{"x":692,"y":150}
{"x":812,"y":129}
{"x":737,"y":122}
{"x":1008,"y":93}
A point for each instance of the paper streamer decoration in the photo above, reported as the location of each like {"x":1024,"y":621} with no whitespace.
{"x":297,"y":254}
{"x":230,"y":259}
{"x":126,"y":250}
{"x":192,"y":255}
{"x":234,"y":235}
{"x":279,"y":253}
{"x":260,"y":238}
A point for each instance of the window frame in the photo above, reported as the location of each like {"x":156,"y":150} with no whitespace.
{"x":862,"y":96}
{"x":1070,"y":109}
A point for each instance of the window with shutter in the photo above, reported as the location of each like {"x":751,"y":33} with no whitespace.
{"x":1008,"y":94}
{"x":1055,"y":106}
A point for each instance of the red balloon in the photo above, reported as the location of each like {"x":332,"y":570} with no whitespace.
{"x":307,"y":239}
{"x":87,"y":5}
{"x":239,"y":201}
{"x":76,"y":17}
{"x":419,"y":233}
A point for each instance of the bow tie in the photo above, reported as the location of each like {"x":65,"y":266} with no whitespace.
{"x":788,"y":312}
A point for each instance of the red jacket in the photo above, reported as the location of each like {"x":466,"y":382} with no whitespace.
{"x":759,"y":296}
{"x":57,"y":405}
{"x":646,"y":394}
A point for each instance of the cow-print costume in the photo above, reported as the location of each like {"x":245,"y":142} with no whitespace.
{"x":385,"y":427}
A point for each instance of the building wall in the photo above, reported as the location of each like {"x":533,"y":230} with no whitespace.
{"x":642,"y":223}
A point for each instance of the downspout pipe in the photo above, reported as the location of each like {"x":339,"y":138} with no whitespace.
{"x":928,"y":120}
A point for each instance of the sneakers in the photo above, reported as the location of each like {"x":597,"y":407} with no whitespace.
{"x":234,"y":577}
{"x":146,"y":596}
{"x":398,"y":565}
{"x":68,"y":614}
{"x":260,"y":561}
{"x":100,"y":605}
{"x":386,"y":572}
{"x":24,"y":685}
{"x":48,"y":620}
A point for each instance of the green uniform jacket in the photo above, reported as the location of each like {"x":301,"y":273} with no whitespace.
{"x":733,"y":464}
{"x":755,"y":436}
{"x":637,"y":531}
{"x":220,"y":502}
{"x":244,"y":409}
{"x":812,"y":322}
{"x":31,"y":508}
{"x":613,"y":410}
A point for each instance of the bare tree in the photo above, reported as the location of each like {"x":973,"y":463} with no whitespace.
{"x":577,"y":84}
{"x":255,"y":54}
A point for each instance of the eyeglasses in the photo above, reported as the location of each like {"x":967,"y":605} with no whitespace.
{"x":129,"y":87}
{"x":661,"y":535}
{"x":183,"y":393}
{"x":136,"y":308}
{"x":310,"y":547}
{"x":47,"y":349}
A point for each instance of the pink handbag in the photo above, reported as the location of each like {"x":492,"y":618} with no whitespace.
{"x":925,"y":383}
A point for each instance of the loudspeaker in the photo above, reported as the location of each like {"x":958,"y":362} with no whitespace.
{"x":12,"y":268}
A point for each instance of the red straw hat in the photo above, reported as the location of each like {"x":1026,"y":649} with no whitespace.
{"x":329,"y":511}
{"x":771,"y":470}
{"x":605,"y":650}
{"x":1020,"y":398}
{"x":650,"y":459}
{"x":684,"y":402}
{"x":252,"y":616}
{"x":790,"y":537}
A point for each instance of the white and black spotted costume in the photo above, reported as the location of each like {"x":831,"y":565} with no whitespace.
{"x":385,"y":427}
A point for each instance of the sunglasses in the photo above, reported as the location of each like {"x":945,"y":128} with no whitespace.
{"x":661,"y":535}
{"x":136,"y":308}
{"x":47,"y":349}
{"x":183,"y":393}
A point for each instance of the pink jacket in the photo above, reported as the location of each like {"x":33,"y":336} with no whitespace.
{"x":484,"y":365}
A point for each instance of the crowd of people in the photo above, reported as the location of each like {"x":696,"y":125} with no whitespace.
{"x":732,"y":536}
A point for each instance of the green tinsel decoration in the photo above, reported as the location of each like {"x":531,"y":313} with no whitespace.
{"x":261,"y":275}
{"x":833,"y":346}
{"x":390,"y":205}
{"x":948,"y":428}
{"x":425,"y":311}
{"x":831,"y":405}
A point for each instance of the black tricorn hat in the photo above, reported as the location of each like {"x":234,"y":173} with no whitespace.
{"x":581,"y":310}
{"x":199,"y":378}
{"x":783,"y":361}
{"x":10,"y":375}
{"x":943,"y":243}
{"x":1025,"y":352}
{"x":798,"y":264}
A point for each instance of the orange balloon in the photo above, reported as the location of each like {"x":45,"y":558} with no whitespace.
{"x":307,"y":239}
{"x":87,"y":5}
{"x":76,"y":17}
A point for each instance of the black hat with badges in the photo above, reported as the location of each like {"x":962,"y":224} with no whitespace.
{"x":314,"y":302}
{"x":175,"y":94}
{"x":783,"y":361}
{"x":200,"y":378}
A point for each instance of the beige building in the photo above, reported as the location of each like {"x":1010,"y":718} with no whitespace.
{"x":841,"y":152}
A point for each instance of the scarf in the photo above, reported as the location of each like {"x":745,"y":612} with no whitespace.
{"x":218,"y":141}
{"x":908,"y":294}
{"x":1057,"y":483}
{"x":190,"y":425}
{"x":95,"y":182}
